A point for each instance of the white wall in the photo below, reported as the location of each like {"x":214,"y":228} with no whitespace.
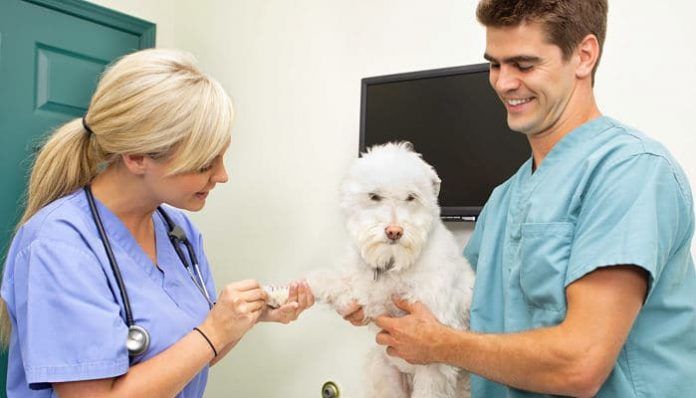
{"x":293,"y":69}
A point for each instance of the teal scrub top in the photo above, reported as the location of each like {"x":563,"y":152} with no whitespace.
{"x":605,"y":195}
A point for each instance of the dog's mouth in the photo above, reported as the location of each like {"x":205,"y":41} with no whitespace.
{"x":379,"y":271}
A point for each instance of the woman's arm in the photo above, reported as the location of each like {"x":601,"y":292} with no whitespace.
{"x":222,"y":353}
{"x":161,"y":376}
{"x":166,"y":374}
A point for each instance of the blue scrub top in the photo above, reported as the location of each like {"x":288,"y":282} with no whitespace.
{"x":605,"y":195}
{"x":65,"y":306}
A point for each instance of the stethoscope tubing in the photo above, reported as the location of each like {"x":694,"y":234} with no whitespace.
{"x":138,"y":340}
{"x":205,"y":290}
{"x":112,"y":259}
{"x":178,"y":236}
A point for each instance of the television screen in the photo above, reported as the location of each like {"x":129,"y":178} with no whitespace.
{"x":456,"y":121}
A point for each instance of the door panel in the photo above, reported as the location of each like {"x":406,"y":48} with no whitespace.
{"x":58,"y":71}
{"x":51,"y":55}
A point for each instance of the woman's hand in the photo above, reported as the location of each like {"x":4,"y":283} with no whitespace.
{"x":237,"y":309}
{"x":300,"y":298}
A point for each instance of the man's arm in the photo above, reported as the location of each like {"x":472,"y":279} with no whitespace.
{"x":573,"y":358}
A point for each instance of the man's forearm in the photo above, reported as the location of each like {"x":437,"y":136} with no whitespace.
{"x":573,"y":358}
{"x":542,"y":360}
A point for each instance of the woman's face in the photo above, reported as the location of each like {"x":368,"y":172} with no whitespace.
{"x":185,"y":190}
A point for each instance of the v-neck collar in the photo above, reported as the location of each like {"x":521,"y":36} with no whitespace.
{"x":119,"y":236}
{"x":563,"y":150}
{"x":527,"y":181}
{"x":170,"y":276}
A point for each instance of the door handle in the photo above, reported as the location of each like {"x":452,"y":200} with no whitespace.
{"x":330,"y":390}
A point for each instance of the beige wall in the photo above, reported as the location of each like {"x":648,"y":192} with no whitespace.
{"x":152,"y":11}
{"x":293,"y":69}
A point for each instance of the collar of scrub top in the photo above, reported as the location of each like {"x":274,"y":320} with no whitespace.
{"x":138,"y":340}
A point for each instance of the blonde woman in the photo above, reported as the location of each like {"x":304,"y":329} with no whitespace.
{"x":107,"y":290}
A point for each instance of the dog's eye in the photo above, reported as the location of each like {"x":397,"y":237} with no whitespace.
{"x":411,"y":198}
{"x":375,"y":197}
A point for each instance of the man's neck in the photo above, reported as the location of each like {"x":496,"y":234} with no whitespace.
{"x":576,"y":115}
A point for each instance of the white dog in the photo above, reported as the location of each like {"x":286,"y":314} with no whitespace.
{"x":399,"y":247}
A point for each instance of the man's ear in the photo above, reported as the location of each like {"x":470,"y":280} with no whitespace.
{"x":588,"y":54}
{"x":136,"y":164}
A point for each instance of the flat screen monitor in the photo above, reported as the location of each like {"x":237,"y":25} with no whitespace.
{"x":455,"y":120}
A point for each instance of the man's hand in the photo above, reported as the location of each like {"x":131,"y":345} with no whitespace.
{"x":413,"y":337}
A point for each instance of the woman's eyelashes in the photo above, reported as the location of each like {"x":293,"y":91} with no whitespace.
{"x":205,"y":168}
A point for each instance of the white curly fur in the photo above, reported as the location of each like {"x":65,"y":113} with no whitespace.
{"x":392,"y":185}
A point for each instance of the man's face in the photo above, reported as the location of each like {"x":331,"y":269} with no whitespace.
{"x":530,"y":77}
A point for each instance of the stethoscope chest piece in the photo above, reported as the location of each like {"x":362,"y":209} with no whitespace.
{"x":138,"y":340}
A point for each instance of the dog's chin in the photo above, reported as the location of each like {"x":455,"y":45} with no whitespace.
{"x":385,"y":257}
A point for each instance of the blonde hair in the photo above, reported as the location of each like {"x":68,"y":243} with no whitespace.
{"x":154,"y":102}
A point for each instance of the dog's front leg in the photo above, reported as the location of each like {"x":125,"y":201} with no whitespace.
{"x":332,"y":287}
{"x":435,"y":381}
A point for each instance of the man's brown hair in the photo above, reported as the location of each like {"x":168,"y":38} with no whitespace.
{"x":566,"y":22}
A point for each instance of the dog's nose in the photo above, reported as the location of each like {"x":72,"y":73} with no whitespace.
{"x":394,"y":232}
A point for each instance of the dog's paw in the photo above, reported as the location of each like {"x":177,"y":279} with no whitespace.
{"x":277,"y":295}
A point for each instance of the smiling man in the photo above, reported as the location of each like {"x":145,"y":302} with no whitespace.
{"x":585,"y":281}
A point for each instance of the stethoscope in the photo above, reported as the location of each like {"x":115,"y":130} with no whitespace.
{"x":138,"y":340}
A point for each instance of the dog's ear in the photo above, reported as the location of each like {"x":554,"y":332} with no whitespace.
{"x":436,"y":185}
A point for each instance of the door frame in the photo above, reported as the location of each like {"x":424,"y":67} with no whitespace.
{"x":104,"y":16}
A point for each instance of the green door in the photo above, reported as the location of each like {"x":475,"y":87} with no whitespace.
{"x":51,"y":55}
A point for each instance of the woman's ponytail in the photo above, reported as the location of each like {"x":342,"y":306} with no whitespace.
{"x":63,"y":165}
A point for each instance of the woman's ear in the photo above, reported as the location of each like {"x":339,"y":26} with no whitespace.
{"x":136,"y":164}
